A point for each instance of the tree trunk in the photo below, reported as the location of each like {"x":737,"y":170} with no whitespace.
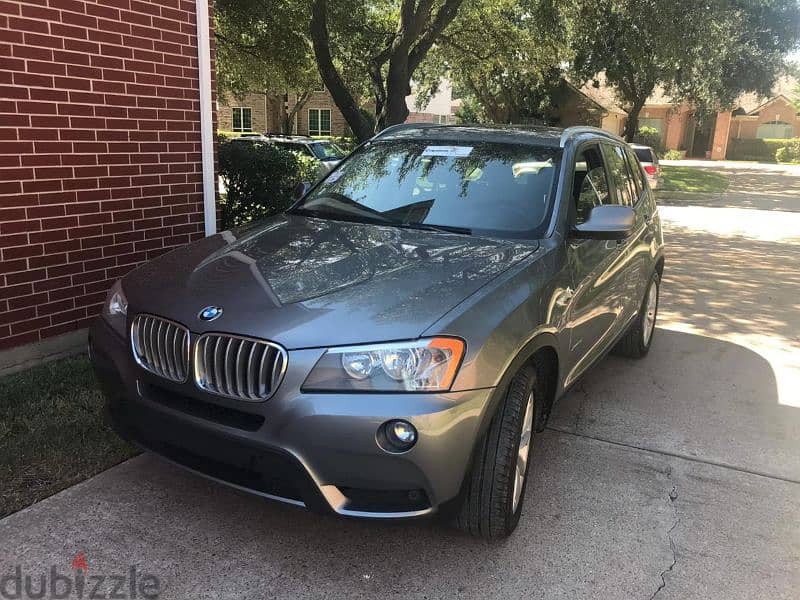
{"x":330,"y":76}
{"x":300,"y":101}
{"x":397,"y":88}
{"x":632,"y":122}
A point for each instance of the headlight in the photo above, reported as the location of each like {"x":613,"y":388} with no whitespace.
{"x":115,"y":309}
{"x":417,"y":366}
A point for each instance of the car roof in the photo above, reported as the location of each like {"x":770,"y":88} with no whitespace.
{"x":291,"y":138}
{"x":534,"y":135}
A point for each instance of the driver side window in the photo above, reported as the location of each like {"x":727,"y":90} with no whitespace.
{"x":590,"y":183}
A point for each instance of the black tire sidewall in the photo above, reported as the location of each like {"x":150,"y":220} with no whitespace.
{"x":512,"y":516}
{"x":655,"y":280}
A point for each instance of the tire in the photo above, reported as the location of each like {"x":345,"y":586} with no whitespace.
{"x":635,"y":343}
{"x":488,"y":507}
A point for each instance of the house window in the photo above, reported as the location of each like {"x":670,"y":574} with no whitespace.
{"x":319,"y":121}
{"x":775,"y":130}
{"x":242,"y":119}
{"x":655,"y":123}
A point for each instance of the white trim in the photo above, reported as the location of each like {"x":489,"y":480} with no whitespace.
{"x":319,"y":121}
{"x":206,"y":116}
{"x":241,"y":110}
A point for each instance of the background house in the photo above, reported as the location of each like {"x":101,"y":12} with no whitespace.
{"x":101,"y":158}
{"x":261,"y":113}
{"x":439,"y":109}
{"x":752,"y":118}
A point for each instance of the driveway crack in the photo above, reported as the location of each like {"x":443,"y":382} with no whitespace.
{"x":673,"y":496}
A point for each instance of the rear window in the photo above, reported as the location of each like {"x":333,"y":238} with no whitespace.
{"x":645,"y":155}
{"x":499,"y":189}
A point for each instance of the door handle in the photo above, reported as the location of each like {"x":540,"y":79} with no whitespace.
{"x":564,"y":297}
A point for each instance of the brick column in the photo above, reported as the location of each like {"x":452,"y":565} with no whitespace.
{"x":719,"y":145}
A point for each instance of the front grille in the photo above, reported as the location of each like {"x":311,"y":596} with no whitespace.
{"x":238,"y":367}
{"x":161,"y":346}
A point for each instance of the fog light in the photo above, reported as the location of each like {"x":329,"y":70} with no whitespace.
{"x":397,"y":436}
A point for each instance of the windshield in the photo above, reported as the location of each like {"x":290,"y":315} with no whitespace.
{"x":327,"y":151}
{"x":494,"y":189}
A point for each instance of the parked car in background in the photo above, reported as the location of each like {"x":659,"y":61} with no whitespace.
{"x":388,"y":347}
{"x":250,"y":138}
{"x":649,"y":159}
{"x":326,"y":152}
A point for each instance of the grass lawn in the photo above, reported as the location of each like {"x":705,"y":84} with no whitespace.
{"x":691,"y":179}
{"x":52,"y":432}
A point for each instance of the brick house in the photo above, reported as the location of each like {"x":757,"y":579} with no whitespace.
{"x":261,"y":113}
{"x":106,"y":155}
{"x":258,"y":112}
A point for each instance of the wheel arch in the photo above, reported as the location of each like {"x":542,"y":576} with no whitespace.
{"x":543,"y":349}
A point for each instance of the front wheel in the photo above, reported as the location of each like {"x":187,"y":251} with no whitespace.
{"x":637,"y":340}
{"x":495,"y":487}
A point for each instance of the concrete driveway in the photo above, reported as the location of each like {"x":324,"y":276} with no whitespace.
{"x":677,"y":476}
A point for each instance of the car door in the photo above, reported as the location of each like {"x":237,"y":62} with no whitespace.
{"x":595,"y":303}
{"x":630,"y":249}
{"x":646,"y":227}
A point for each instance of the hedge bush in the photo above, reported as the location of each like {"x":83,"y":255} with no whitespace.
{"x":259,"y":180}
{"x":674,"y":155}
{"x":754,"y":149}
{"x":790,"y":152}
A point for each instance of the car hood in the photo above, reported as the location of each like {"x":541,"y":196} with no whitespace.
{"x":306,"y":282}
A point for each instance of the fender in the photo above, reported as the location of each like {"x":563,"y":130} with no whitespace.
{"x":541,"y":339}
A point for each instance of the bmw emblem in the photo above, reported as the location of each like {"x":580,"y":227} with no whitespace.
{"x":209,"y":313}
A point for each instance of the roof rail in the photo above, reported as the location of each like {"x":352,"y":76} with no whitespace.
{"x":570,"y":132}
{"x":401,"y":126}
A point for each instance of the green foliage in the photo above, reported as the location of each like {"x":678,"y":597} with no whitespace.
{"x":505,"y":56}
{"x":754,"y":149}
{"x":705,"y":53}
{"x":262,"y":45}
{"x":470,"y":111}
{"x":674,"y":154}
{"x":790,"y":153}
{"x":307,"y":168}
{"x":649,"y":136}
{"x":259,"y":180}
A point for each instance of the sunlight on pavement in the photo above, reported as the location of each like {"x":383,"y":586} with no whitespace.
{"x":752,"y":224}
{"x":732,"y":275}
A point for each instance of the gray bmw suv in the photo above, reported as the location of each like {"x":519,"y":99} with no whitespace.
{"x":388,"y":347}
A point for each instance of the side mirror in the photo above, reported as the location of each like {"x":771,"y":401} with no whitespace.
{"x":301,"y":189}
{"x":607,"y":222}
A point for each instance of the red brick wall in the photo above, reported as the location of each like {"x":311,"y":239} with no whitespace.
{"x":100,"y":165}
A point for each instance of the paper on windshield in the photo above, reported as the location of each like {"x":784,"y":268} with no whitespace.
{"x":454,"y":151}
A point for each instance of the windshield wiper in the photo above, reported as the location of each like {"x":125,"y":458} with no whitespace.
{"x":336,"y":215}
{"x":432,"y":227}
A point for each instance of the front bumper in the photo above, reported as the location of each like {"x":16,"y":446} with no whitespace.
{"x":314,"y":450}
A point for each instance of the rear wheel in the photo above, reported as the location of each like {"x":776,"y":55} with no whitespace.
{"x":495,"y":487}
{"x":637,"y":340}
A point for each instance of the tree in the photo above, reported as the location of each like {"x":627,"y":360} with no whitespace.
{"x":261,"y":46}
{"x":504,"y":54}
{"x":706,"y":53}
{"x":399,"y":42}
